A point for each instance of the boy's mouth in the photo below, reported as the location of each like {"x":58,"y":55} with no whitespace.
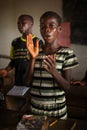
{"x":47,"y":35}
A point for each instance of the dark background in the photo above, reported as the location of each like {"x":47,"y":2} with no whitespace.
{"x":75,"y":12}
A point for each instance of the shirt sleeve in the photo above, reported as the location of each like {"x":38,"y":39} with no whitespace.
{"x":71,"y":60}
{"x":12,"y":52}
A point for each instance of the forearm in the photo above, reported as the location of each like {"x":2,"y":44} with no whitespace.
{"x":63,"y":82}
{"x":10,"y":66}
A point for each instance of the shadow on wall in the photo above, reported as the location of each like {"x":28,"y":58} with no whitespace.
{"x":64,"y":36}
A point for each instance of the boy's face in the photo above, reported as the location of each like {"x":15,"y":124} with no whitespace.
{"x":24,"y":25}
{"x":49,"y":29}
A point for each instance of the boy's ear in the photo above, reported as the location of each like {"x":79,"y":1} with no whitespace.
{"x":59,"y":29}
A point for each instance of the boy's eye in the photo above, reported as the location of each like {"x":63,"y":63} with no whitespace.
{"x":51,"y":26}
{"x":42,"y":26}
{"x":21,"y":23}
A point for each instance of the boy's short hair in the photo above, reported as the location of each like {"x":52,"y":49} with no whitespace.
{"x":26,"y":16}
{"x":51,"y":14}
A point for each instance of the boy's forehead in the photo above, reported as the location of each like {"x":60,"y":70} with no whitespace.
{"x":24,"y":18}
{"x":49,"y":19}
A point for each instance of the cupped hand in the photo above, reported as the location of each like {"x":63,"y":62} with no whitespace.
{"x":32,"y":48}
{"x":49,"y":63}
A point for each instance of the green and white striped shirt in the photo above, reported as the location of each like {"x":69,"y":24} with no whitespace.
{"x":47,"y":97}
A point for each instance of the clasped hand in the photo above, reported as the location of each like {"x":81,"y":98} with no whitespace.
{"x":49,"y":64}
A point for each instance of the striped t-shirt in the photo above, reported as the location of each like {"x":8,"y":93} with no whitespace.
{"x":47,"y":97}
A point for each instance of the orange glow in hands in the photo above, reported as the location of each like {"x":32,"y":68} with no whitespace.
{"x":54,"y":56}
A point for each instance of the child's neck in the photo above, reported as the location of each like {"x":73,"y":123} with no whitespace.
{"x":50,"y":49}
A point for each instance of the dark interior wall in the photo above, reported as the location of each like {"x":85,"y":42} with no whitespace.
{"x":75,"y":11}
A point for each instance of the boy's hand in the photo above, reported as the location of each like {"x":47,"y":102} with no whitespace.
{"x":33,"y":49}
{"x":3,"y":72}
{"x":49,"y":63}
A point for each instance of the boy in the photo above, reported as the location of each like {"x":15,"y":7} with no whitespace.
{"x":19,"y":54}
{"x":49,"y":69}
{"x":19,"y":57}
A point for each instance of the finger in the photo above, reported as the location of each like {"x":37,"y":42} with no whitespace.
{"x":29,"y":41}
{"x":46,"y":68}
{"x":29,"y":38}
{"x":46,"y":64}
{"x":52,"y":59}
{"x":49,"y":59}
{"x":37,"y":43}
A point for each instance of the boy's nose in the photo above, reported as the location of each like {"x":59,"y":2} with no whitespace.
{"x":47,"y":28}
